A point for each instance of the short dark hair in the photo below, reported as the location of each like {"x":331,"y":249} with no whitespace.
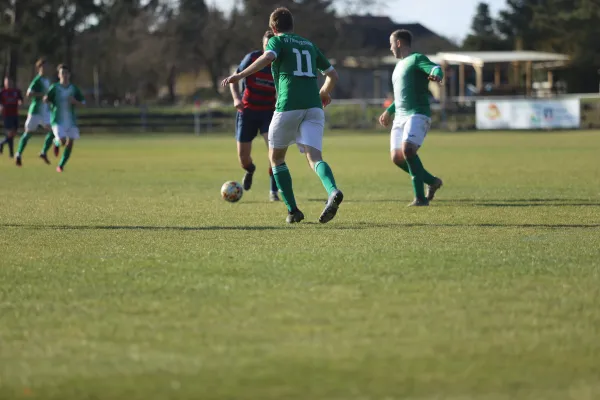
{"x":63,"y":66}
{"x":268,"y":34}
{"x":281,"y":20}
{"x":41,"y":61}
{"x":404,"y":36}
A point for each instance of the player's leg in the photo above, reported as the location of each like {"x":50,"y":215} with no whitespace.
{"x":5,"y":139}
{"x":47,"y":122}
{"x":61,"y":134}
{"x":398,"y":158}
{"x":11,"y":141}
{"x":48,"y":141}
{"x":68,"y":145}
{"x":264,"y":131}
{"x":282,"y":133}
{"x":31,"y":124}
{"x":11,"y":124}
{"x":311,"y":143}
{"x":414,"y":133}
{"x":246,"y":130}
{"x":273,"y":191}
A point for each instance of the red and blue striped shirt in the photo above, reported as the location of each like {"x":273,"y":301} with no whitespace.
{"x":9,"y":99}
{"x":258,"y":89}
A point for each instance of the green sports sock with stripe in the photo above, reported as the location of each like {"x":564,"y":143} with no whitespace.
{"x":416,"y":173}
{"x":47,"y":142}
{"x":427,"y":177}
{"x":65,"y":156}
{"x":326,"y":175}
{"x":283,"y":179}
{"x":23,"y":142}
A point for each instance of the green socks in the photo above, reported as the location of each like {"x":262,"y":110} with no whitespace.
{"x":416,"y":169}
{"x":47,"y":142}
{"x":282,"y":176}
{"x":427,"y":177}
{"x":23,"y":142}
{"x":65,"y":156}
{"x":326,"y":175}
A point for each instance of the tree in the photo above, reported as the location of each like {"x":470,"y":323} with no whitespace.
{"x":571,"y":27}
{"x":203,"y":36}
{"x":515,"y":23}
{"x":483,"y":35}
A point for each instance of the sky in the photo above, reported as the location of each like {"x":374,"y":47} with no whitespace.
{"x":448,"y":18}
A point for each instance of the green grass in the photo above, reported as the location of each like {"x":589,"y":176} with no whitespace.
{"x":126,"y":277}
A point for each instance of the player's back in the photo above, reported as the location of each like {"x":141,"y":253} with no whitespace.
{"x":295,"y":71}
{"x":258,"y":88}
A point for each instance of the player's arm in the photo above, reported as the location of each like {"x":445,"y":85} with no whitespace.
{"x":35,"y":90}
{"x":272,"y":51}
{"x":434,"y":72}
{"x":20,"y":98}
{"x":49,"y":97}
{"x":235,"y":88}
{"x":77,"y":98}
{"x":260,"y":63}
{"x":386,"y":117}
{"x":331,"y":77}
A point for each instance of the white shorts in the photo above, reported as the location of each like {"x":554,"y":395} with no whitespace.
{"x":64,"y":131}
{"x":33,"y":122}
{"x":303,"y":127}
{"x":411,"y":129}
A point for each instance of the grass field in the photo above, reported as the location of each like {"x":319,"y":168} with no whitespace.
{"x":127,"y":277}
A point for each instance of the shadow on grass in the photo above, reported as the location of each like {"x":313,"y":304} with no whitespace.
{"x":334,"y":226}
{"x":144,"y":227}
{"x":487,"y":203}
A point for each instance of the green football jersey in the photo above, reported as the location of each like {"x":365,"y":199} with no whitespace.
{"x":411,"y":85}
{"x":59,"y":97}
{"x":294,"y":69}
{"x":39,"y":84}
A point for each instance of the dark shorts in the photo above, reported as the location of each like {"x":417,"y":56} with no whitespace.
{"x":11,"y":123}
{"x":250,"y":123}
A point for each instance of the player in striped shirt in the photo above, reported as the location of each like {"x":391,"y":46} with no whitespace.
{"x":10,"y":100}
{"x":255,"y":109}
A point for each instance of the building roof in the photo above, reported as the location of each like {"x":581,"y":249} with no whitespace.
{"x":372,"y":35}
{"x":538,"y":58}
{"x":494,"y":57}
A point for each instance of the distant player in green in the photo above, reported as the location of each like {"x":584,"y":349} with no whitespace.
{"x":63,"y":97}
{"x":412,"y":113}
{"x":38,"y":116}
{"x":299,"y":116}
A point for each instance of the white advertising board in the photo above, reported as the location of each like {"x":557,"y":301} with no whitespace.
{"x":528,"y":114}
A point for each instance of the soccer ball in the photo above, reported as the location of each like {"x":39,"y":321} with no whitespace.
{"x":231,"y":191}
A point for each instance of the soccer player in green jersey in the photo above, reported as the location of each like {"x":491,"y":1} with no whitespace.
{"x":299,"y":116}
{"x":63,"y":97}
{"x":38,"y":116}
{"x":412,"y":119}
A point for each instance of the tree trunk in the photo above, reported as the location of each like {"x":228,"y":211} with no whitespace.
{"x":171,"y":80}
{"x":69,"y":37}
{"x":13,"y":53}
{"x":214,"y":76}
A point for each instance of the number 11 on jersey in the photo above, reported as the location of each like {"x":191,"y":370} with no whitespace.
{"x":299,"y":70}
